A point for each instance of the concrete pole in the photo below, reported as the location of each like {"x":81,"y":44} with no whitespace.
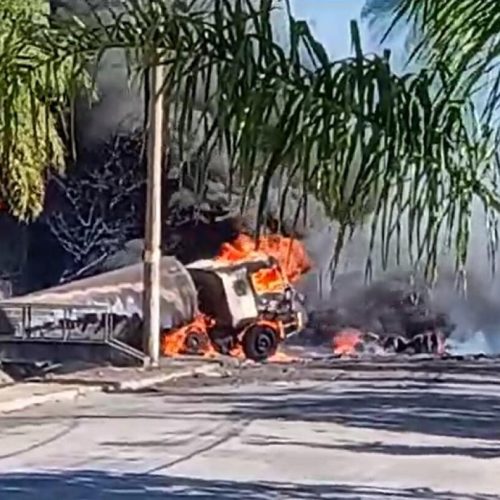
{"x":152,"y":244}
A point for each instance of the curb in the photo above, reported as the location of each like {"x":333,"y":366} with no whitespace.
{"x":144,"y":383}
{"x":22,"y":403}
{"x":5,"y":380}
{"x":77,"y":390}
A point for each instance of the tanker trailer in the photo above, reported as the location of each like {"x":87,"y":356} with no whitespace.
{"x":102,"y":309}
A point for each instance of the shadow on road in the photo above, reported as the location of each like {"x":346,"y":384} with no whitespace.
{"x":484,"y":452}
{"x":97,"y":485}
{"x":468,"y":411}
{"x":425,"y":409}
{"x":420,"y":410}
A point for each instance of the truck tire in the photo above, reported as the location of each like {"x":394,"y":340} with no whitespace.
{"x":260,"y":342}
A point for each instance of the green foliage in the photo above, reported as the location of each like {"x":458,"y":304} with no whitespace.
{"x":464,"y":37}
{"x":465,"y":34}
{"x":370,"y":145}
{"x":32,"y":93}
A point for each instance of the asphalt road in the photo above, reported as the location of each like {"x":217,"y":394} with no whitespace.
{"x":265,"y":433}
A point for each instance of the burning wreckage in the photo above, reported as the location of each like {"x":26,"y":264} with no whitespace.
{"x":242,"y":302}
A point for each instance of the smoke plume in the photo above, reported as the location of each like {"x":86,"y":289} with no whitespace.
{"x":383,"y":305}
{"x":472,"y":307}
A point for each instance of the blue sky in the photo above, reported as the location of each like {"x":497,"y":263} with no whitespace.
{"x":330,"y":20}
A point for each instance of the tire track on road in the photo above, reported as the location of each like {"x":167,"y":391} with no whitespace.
{"x":235,"y":430}
{"x":45,"y":442}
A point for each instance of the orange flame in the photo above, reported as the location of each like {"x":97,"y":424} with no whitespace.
{"x":176,"y":341}
{"x":346,"y":342}
{"x":281,"y":357}
{"x":268,"y":280}
{"x":292,"y":260}
{"x":290,"y":254}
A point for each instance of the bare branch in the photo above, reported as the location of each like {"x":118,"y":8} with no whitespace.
{"x":99,"y":206}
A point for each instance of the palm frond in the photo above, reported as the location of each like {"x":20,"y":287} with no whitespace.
{"x":371,"y":146}
{"x":463,"y":33}
{"x":32,"y":94}
{"x":404,"y":37}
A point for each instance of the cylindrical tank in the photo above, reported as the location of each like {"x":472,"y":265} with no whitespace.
{"x":122,"y":291}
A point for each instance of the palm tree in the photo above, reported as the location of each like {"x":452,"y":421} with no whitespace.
{"x":371,"y":146}
{"x":463,"y":34}
{"x":32,"y":94}
{"x":462,"y":38}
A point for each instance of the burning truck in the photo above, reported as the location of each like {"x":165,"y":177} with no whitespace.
{"x":247,"y":302}
{"x":242,"y":301}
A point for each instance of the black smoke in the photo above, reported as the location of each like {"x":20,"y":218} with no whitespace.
{"x":396,"y":306}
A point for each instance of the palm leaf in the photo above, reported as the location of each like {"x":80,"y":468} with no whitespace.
{"x":32,"y":94}
{"x":371,"y":146}
{"x":463,"y":33}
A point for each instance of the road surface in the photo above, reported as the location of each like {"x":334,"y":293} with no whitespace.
{"x":265,"y":433}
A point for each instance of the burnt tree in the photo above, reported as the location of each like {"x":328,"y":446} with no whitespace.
{"x":99,"y":205}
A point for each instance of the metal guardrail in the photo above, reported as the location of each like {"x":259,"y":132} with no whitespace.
{"x":61,"y":324}
{"x":52,"y":322}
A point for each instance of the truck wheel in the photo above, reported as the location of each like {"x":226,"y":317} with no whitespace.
{"x":195,"y":342}
{"x":259,"y":342}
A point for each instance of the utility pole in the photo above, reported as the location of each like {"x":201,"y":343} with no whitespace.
{"x":152,"y":244}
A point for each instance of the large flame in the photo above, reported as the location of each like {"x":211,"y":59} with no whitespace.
{"x":290,"y":254}
{"x":292,"y":262}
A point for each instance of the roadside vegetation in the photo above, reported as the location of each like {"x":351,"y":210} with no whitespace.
{"x":404,"y":155}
